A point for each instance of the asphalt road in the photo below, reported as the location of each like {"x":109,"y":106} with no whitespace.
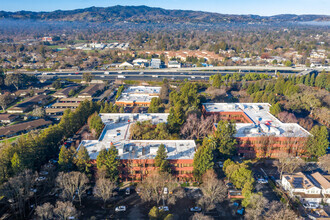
{"x":153,"y":75}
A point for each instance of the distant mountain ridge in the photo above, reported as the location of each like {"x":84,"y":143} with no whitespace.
{"x":145,"y":14}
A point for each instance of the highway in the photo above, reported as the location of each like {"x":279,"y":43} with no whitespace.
{"x":173,"y":74}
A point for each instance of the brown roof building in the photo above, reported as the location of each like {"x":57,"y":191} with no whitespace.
{"x":28,"y":104}
{"x":24,"y":127}
{"x":91,"y":91}
{"x":7,"y":118}
{"x":64,"y":93}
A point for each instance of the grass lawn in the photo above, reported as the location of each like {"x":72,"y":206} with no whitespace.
{"x":12,"y":139}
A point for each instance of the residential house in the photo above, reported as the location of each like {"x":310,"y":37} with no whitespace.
{"x":311,"y":188}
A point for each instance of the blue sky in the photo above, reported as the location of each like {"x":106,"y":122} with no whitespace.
{"x":260,"y":7}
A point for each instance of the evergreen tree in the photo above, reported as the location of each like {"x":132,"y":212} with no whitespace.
{"x":65,"y":159}
{"x":110,"y":108}
{"x":106,"y":108}
{"x":203,"y":160}
{"x":102,"y":109}
{"x":176,"y":118}
{"x":319,"y":141}
{"x":271,"y":98}
{"x":307,"y":80}
{"x":216,"y":80}
{"x":161,"y":159}
{"x":82,"y":160}
{"x":224,"y":136}
{"x":275,"y":109}
{"x":155,"y":105}
{"x":122,"y":109}
{"x":16,"y":163}
{"x":107,"y":160}
{"x":312,"y":80}
{"x":302,"y":79}
{"x":323,"y":80}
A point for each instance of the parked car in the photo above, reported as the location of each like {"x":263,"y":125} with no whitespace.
{"x":229,"y":185}
{"x":41,"y":178}
{"x":311,"y":205}
{"x":195,"y":209}
{"x":120,"y":208}
{"x":221,"y":164}
{"x":128,"y":191}
{"x":164,"y":208}
{"x":43,"y":173}
{"x":240,"y":211}
{"x":262,"y":181}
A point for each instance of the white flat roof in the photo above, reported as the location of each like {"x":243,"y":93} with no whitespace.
{"x":116,"y":131}
{"x":142,"y":90}
{"x":139,"y":94}
{"x":264,"y":123}
{"x":135,"y":98}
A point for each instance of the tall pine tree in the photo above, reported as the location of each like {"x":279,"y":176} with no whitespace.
{"x":82,"y":160}
{"x":161,"y":159}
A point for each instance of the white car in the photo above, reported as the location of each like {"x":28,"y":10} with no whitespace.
{"x":196,"y":209}
{"x":311,"y":205}
{"x":262,"y":181}
{"x":120,"y":208}
{"x":164,"y":208}
{"x":41,"y":178}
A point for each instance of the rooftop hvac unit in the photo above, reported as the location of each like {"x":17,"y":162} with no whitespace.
{"x":275,"y":130}
{"x":264,"y":127}
{"x":254,"y":130}
{"x":256,"y":107}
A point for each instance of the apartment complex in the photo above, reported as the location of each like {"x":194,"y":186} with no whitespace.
{"x":258,"y":132}
{"x":138,"y":96}
{"x":28,"y":104}
{"x":137,"y":156}
{"x":21,"y":128}
{"x":309,"y":188}
{"x":91,"y":91}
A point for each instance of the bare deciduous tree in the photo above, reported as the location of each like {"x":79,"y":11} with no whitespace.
{"x":200,"y":216}
{"x":45,"y":211}
{"x":38,"y":112}
{"x":104,"y":189}
{"x":197,"y":127}
{"x":71,"y":183}
{"x":5,"y":100}
{"x":216,"y":93}
{"x":64,"y":210}
{"x":152,"y":188}
{"x":324,"y":162}
{"x":287,"y":117}
{"x":277,"y":211}
{"x":213,"y":189}
{"x":288,"y":164}
{"x":18,"y":191}
{"x":256,"y":208}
